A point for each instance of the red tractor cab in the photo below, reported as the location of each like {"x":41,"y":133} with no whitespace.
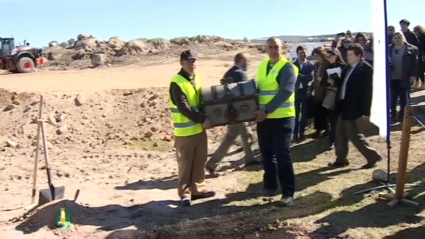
{"x":19,"y":59}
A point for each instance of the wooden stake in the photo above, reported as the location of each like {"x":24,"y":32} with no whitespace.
{"x":400,"y":195}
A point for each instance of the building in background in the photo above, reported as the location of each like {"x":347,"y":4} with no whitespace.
{"x":309,"y":42}
{"x":303,"y":39}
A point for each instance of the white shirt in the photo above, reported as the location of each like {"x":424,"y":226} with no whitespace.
{"x":301,"y":63}
{"x":344,"y":83}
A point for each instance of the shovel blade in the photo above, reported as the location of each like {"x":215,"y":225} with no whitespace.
{"x":45,"y":195}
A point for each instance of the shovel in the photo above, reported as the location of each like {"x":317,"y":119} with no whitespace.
{"x":52,"y":193}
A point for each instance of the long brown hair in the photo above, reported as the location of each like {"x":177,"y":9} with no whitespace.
{"x":335,"y":52}
{"x":419,"y":29}
{"x":360,"y":35}
{"x":320,"y":51}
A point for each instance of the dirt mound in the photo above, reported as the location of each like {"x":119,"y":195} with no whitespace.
{"x":5,"y":96}
{"x":138,"y":117}
{"x":141,"y":46}
{"x":77,"y":56}
{"x":47,"y":215}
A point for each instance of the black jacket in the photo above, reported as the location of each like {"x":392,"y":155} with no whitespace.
{"x":411,"y":38}
{"x":305,"y":75}
{"x":343,"y":51}
{"x":337,"y":80}
{"x":237,"y":74}
{"x":422,"y":48}
{"x":410,"y":63}
{"x":358,"y":92}
{"x":319,"y":87}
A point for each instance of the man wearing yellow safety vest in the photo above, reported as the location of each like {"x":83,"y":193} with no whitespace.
{"x":189,"y":131}
{"x":276,"y":77}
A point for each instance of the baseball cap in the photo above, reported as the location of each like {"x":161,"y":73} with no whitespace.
{"x":404,"y":21}
{"x":188,"y":55}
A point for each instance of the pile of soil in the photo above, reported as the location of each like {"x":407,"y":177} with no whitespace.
{"x":79,"y":55}
{"x":93,"y":120}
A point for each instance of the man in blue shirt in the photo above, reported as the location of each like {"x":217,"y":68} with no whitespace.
{"x":238,"y":74}
{"x":238,"y":71}
{"x":304,"y":80}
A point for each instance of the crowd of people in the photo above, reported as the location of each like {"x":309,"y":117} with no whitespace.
{"x":407,"y":68}
{"x":335,"y":91}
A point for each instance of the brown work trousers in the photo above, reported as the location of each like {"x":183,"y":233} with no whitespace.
{"x":192,"y":153}
{"x":233,"y":131}
{"x":348,"y":130}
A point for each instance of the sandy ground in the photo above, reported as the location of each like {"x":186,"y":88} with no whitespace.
{"x":117,"y":150}
{"x":131,"y":77}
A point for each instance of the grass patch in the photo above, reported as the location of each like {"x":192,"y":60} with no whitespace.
{"x":325,"y":206}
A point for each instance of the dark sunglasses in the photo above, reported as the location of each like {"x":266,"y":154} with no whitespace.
{"x":190,"y":60}
{"x":273,"y":47}
{"x":396,"y":51}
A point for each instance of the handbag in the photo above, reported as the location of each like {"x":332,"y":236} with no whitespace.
{"x":329,"y":100}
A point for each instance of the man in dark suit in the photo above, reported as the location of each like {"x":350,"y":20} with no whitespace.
{"x":238,"y":71}
{"x":354,"y":103}
{"x":412,"y":39}
{"x":304,"y":80}
{"x":238,"y":74}
{"x":410,"y":36}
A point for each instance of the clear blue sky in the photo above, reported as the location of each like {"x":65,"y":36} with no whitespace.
{"x":40,"y":21}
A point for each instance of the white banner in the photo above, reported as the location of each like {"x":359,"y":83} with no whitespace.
{"x":380,"y":100}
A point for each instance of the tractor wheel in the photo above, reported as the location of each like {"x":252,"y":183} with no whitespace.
{"x":25,"y":65}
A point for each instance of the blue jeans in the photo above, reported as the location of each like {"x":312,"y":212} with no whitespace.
{"x":301,"y":107}
{"x":274,"y":139}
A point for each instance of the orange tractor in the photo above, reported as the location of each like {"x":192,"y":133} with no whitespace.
{"x":19,"y":59}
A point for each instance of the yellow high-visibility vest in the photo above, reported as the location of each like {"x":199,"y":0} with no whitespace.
{"x":183,"y":126}
{"x":268,"y":87}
